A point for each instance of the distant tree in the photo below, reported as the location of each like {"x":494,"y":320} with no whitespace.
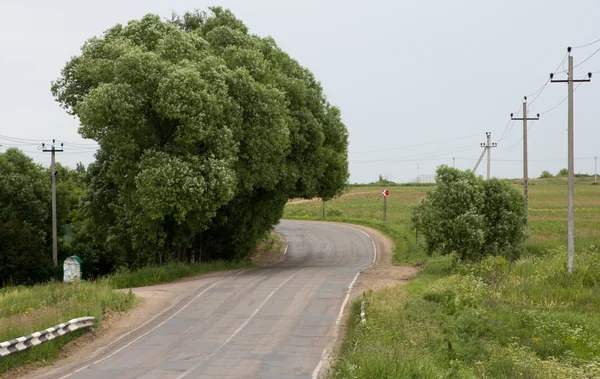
{"x":204,"y":130}
{"x":563,"y":172}
{"x":546,"y":174}
{"x":472,"y":217}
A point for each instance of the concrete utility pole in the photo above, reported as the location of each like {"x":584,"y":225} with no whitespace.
{"x":525,"y":157}
{"x":53,"y":152}
{"x":453,"y":162}
{"x":486,"y":147}
{"x":571,"y":166}
{"x":595,"y":170}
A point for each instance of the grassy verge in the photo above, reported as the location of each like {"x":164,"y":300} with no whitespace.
{"x":151,"y":275}
{"x":24,"y":310}
{"x":493,"y":319}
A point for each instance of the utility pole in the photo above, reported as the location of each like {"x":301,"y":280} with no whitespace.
{"x":53,"y":152}
{"x":323,"y":208}
{"x":486,"y":147}
{"x":453,"y":162}
{"x":595,"y":170}
{"x":525,"y":156}
{"x":571,"y":166}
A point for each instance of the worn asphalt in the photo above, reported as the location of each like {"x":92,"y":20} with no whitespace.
{"x":269,"y":322}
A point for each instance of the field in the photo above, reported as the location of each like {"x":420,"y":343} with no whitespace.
{"x":492,"y":319}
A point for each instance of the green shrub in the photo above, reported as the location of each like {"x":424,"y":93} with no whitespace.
{"x":546,"y":174}
{"x":563,"y":172}
{"x":472,"y":217}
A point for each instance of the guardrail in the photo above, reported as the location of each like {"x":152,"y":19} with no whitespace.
{"x":23,"y":343}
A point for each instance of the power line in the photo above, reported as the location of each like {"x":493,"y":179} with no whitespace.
{"x":586,"y":59}
{"x":409,"y":146}
{"x":537,"y":95}
{"x":411,"y":156}
{"x":587,"y":44}
{"x":37,"y":141}
{"x":433,"y":157}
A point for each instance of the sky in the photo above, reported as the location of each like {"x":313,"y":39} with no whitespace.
{"x":418,"y":82}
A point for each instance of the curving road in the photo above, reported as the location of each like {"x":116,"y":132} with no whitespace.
{"x":271,"y":322}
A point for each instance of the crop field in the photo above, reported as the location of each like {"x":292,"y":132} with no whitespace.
{"x":490,"y":319}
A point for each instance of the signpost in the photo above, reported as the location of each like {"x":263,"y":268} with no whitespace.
{"x":385,"y":193}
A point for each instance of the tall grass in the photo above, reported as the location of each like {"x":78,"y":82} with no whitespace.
{"x":24,"y":310}
{"x":493,"y":319}
{"x":151,"y":275}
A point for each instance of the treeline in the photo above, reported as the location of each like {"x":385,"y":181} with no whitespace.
{"x":25,"y":217}
{"x":205,"y":131}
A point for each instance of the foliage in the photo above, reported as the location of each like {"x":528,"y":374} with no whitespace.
{"x":205,"y":132}
{"x":25,"y":233}
{"x":563,"y":172}
{"x":546,"y":174}
{"x":472,"y":217}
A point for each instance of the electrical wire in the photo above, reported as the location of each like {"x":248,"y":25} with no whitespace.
{"x":586,"y":45}
{"x":37,"y":141}
{"x":409,"y":146}
{"x":537,"y":94}
{"x":422,"y":159}
{"x":392,"y":159}
{"x":562,"y":101}
{"x":586,"y":59}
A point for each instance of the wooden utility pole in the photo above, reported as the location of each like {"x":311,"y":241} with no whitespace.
{"x":525,"y":157}
{"x":571,"y":166}
{"x":53,"y":152}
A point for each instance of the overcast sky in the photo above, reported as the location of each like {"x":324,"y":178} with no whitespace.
{"x":438,"y":74}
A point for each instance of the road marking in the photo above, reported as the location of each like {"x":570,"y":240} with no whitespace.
{"x":237,"y":331}
{"x":151,"y":330}
{"x":316,"y":372}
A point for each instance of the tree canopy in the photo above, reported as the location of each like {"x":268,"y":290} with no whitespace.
{"x":205,"y":131}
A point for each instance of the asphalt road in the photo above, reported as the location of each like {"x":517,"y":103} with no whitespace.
{"x":271,"y":322}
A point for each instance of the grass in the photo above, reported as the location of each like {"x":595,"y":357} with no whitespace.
{"x":24,"y":310}
{"x":151,"y":275}
{"x":492,"y":319}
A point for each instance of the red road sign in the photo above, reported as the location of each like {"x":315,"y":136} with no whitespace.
{"x":385,"y":193}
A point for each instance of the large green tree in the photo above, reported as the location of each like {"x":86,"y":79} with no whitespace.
{"x":205,"y":132}
{"x":25,"y":227}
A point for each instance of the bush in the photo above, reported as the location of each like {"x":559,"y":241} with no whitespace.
{"x":472,"y":217}
{"x":563,"y":172}
{"x":546,"y":174}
